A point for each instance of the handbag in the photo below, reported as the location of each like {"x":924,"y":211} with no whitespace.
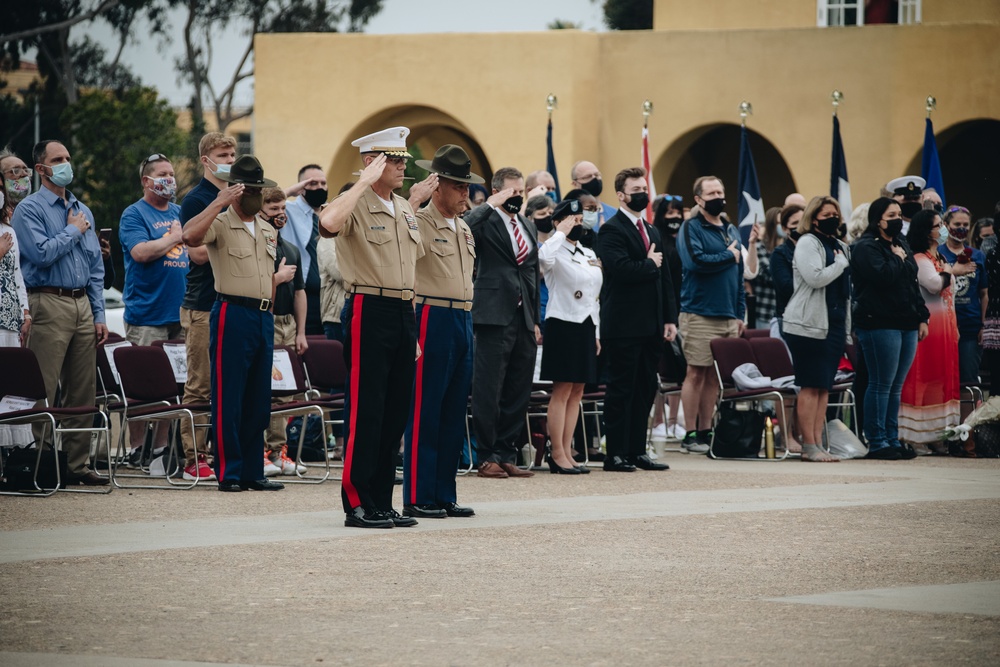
{"x":842,"y":442}
{"x":738,"y":433}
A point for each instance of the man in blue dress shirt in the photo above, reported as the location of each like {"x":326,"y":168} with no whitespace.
{"x":64,"y":274}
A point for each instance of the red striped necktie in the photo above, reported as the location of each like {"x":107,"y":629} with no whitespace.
{"x":642,"y":233}
{"x":522,"y":247}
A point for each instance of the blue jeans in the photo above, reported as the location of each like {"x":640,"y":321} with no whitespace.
{"x":970,"y":355}
{"x":888,"y":355}
{"x":334,"y":331}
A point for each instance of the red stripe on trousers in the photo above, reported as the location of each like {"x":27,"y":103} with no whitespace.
{"x":220,"y":333}
{"x":352,"y":493}
{"x":418,"y":404}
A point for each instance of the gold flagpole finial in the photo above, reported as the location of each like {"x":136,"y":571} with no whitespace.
{"x":837,"y":97}
{"x":746,"y":109}
{"x":551,"y":102}
{"x":647,"y":110}
{"x":930,"y":104}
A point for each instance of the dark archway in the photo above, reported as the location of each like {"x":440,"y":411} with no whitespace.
{"x":715,"y":149}
{"x":430,"y":128}
{"x":970,"y":164}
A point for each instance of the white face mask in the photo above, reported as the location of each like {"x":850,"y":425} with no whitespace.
{"x":590,"y":219}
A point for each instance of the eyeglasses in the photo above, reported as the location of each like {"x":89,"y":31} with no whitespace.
{"x":155,"y":157}
{"x":394,"y":159}
{"x":14,"y":172}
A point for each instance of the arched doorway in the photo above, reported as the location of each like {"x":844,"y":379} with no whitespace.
{"x":970,"y":165}
{"x":715,"y":149}
{"x":430,"y":128}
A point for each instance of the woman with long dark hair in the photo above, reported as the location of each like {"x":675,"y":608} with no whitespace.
{"x":889,"y":318}
{"x":15,"y":318}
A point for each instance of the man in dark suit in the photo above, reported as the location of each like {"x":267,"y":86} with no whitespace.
{"x":505,"y":324}
{"x":638,"y":311}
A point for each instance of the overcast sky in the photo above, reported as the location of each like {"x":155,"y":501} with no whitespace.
{"x":154,"y":63}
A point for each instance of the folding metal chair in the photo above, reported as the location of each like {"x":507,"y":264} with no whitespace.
{"x":756,"y":333}
{"x":729,"y":354}
{"x":22,"y":378}
{"x":304,"y":408}
{"x":538,"y":408}
{"x":150,"y":395}
{"x":326,"y":377}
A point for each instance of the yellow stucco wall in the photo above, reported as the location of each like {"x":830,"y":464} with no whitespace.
{"x":316,"y":93}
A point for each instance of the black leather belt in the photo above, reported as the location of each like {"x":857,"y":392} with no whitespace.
{"x":59,"y":291}
{"x":246,"y":302}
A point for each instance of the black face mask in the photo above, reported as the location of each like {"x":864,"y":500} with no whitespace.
{"x":910,"y":209}
{"x":673,"y":224}
{"x":544,"y":225}
{"x":828,"y":226}
{"x":594,"y":187}
{"x":576,"y":233}
{"x":638,"y":201}
{"x":894,"y":227}
{"x":794,"y":235}
{"x":842,"y":232}
{"x":315,"y":198}
{"x":513,"y":204}
{"x":251,"y":202}
{"x":715,"y":206}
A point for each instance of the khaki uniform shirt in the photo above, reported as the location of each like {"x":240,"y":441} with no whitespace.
{"x":376,"y":249}
{"x":331,"y":282}
{"x":243,"y":263}
{"x":445,"y":270}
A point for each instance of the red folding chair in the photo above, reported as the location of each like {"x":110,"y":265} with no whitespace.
{"x":302,"y":408}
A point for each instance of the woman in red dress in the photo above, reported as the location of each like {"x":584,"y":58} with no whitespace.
{"x":930,"y":399}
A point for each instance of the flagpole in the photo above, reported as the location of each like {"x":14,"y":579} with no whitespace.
{"x":647,"y":161}
{"x":746,"y":109}
{"x":551,"y":102}
{"x":930,"y":105}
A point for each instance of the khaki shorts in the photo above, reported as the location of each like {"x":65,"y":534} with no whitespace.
{"x":697,"y":332}
{"x":143,"y":335}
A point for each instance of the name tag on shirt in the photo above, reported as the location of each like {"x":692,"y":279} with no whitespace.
{"x":440,"y":240}
{"x":380,"y":228}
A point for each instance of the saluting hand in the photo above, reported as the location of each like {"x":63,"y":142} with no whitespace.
{"x":421,"y":192}
{"x":229,"y":196}
{"x":373,"y":171}
{"x":497,"y":199}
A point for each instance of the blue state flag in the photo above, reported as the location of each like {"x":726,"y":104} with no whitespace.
{"x":550,"y":161}
{"x":840,"y":187}
{"x":930,"y":168}
{"x":751,"y":206}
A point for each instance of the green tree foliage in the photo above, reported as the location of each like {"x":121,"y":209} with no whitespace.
{"x":628,"y":14}
{"x":113,"y":131}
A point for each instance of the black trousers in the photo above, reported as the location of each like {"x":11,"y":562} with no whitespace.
{"x":503,"y":367}
{"x":631,"y":388}
{"x":380,"y":353}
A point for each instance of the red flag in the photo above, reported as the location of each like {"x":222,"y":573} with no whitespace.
{"x":649,"y":173}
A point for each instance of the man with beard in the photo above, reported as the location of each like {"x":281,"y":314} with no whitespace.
{"x":242,"y":248}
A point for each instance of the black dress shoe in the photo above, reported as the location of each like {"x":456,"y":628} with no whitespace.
{"x":399,"y":520}
{"x":906,"y":452}
{"x":556,"y":469}
{"x":884,"y":454}
{"x":584,"y":470}
{"x":647,"y":463}
{"x":230,"y":487}
{"x":453,"y":509}
{"x":424,"y":511}
{"x":617,"y":464}
{"x":359,"y":518}
{"x":262,"y":485}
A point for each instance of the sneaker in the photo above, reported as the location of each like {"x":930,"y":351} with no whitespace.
{"x":199,"y":471}
{"x":676,"y":432}
{"x":270,"y":470}
{"x":692,"y":443}
{"x":659,"y":433}
{"x":288,"y":466}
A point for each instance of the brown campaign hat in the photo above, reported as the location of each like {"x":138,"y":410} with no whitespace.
{"x":247,"y":171}
{"x":453,"y":163}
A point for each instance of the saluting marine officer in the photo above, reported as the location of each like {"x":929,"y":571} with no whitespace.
{"x":436,"y":433}
{"x":241,"y":248}
{"x":378,"y":243}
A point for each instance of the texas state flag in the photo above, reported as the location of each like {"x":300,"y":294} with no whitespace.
{"x":751,"y":207}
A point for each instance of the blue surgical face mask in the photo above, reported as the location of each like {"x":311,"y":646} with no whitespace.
{"x":62,"y":174}
{"x":552,"y":196}
{"x":220,"y":168}
{"x":591,"y":218}
{"x":943,"y":233}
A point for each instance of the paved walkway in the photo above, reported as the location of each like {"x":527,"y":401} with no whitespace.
{"x":712,"y":562}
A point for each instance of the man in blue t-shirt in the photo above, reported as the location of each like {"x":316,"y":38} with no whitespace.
{"x":969,"y":292}
{"x":156,"y":261}
{"x":156,"y":266}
